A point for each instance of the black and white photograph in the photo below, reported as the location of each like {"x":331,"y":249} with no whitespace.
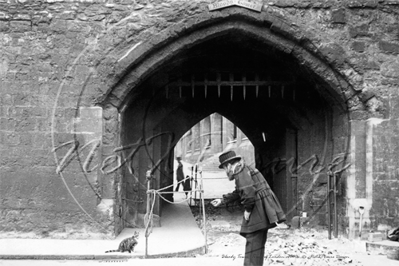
{"x":199,"y":132}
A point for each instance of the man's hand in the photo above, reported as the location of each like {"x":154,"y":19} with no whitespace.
{"x":246,"y":215}
{"x":216,"y":202}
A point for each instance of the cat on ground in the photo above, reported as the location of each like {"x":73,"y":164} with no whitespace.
{"x":127,"y":244}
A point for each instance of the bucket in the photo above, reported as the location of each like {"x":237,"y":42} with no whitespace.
{"x":393,"y":254}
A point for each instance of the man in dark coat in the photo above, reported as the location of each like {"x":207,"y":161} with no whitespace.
{"x":179,"y":172}
{"x":262,"y":209}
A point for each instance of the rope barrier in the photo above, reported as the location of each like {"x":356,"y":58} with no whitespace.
{"x":173,"y":184}
{"x":185,"y":200}
{"x":152,"y":196}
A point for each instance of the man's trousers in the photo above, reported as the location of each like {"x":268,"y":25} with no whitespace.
{"x":255,"y":248}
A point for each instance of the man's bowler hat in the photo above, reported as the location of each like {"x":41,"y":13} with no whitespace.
{"x":227,"y":157}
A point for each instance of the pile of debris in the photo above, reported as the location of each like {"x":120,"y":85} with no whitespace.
{"x":304,"y":252}
{"x":305,"y":246}
{"x":286,"y":247}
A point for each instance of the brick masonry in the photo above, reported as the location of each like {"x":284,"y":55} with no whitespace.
{"x":63,"y":69}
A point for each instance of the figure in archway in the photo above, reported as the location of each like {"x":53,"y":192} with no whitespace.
{"x":179,"y":173}
{"x":262,"y":209}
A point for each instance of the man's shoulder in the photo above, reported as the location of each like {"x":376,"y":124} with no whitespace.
{"x":252,"y":170}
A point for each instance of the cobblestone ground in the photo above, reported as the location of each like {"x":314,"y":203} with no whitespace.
{"x":305,"y":246}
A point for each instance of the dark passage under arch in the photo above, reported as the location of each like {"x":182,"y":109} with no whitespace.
{"x":265,"y":92}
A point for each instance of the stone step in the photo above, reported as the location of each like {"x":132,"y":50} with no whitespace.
{"x":385,"y":247}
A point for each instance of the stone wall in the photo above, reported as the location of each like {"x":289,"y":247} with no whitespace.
{"x":62,"y":62}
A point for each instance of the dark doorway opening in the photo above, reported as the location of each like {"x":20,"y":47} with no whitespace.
{"x":276,"y":102}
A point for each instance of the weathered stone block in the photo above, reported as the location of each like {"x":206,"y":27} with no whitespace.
{"x":334,"y":53}
{"x":110,"y":112}
{"x":394,"y":109}
{"x":372,"y":65}
{"x":21,"y":25}
{"x":22,"y":99}
{"x":109,"y":138}
{"x":8,"y":124}
{"x":67,"y":15}
{"x":366,"y":95}
{"x":59,"y":26}
{"x":389,"y":48}
{"x":24,"y":125}
{"x":26,"y":139}
{"x":4,"y":26}
{"x":390,"y":82}
{"x":363,"y":3}
{"x":360,"y":31}
{"x":108,"y":150}
{"x":359,"y":47}
{"x":359,"y":115}
{"x":390,"y":69}
{"x":338,"y":16}
{"x":42,"y":141}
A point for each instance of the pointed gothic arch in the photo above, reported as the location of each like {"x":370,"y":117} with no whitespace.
{"x":149,"y":88}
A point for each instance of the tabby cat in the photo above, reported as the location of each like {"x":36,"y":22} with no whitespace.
{"x":127,"y":244}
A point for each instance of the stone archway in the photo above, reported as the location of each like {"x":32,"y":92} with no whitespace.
{"x":145,"y":72}
{"x":137,"y":61}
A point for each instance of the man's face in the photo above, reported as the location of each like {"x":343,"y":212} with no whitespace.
{"x":226,"y":167}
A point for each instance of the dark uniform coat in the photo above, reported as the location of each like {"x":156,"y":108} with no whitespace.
{"x":179,"y":172}
{"x":187,"y":184}
{"x":257,"y":198}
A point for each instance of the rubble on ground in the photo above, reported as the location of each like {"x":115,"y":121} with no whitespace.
{"x":291,"y":247}
{"x":304,"y":252}
{"x":304,"y":246}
